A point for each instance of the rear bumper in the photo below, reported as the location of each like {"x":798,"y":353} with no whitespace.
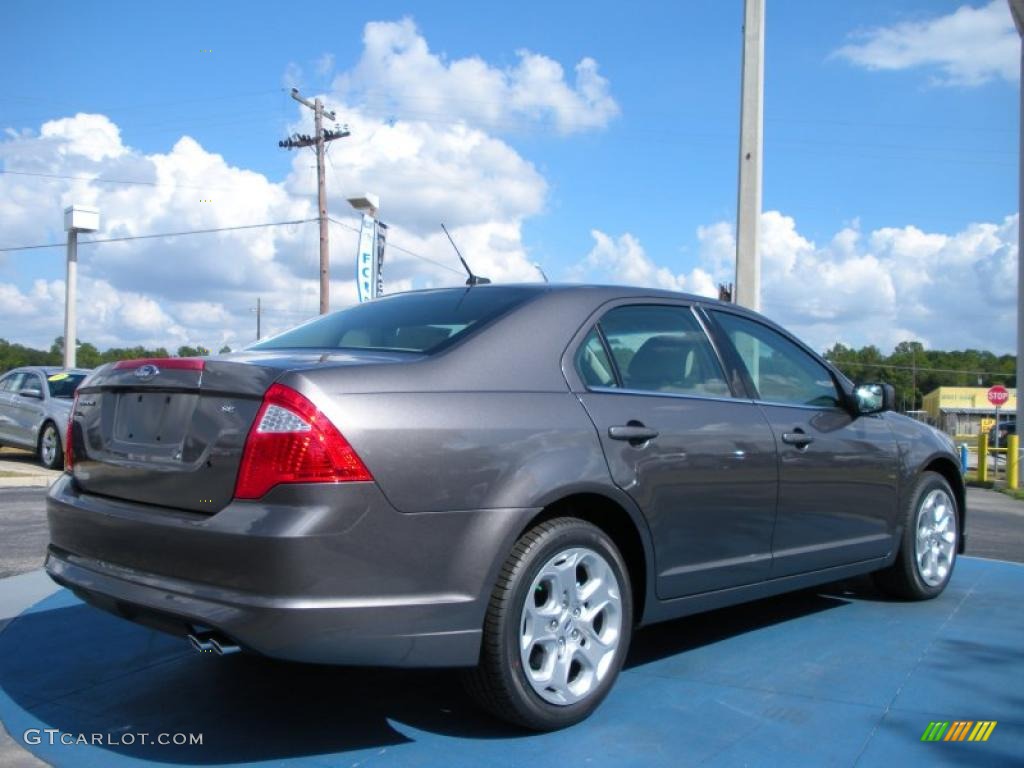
{"x":327,"y":574}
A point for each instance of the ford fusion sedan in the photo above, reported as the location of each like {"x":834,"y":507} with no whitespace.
{"x":504,"y":479}
{"x":34,"y":405}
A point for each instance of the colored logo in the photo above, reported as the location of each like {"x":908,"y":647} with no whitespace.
{"x":146,"y":371}
{"x":959,"y":730}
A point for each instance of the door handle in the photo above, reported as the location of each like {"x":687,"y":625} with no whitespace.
{"x":798,"y":438}
{"x":635,"y":432}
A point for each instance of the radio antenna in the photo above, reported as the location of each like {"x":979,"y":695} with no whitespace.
{"x":473,"y":279}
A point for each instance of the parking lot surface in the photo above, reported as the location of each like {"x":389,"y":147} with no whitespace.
{"x":837,"y":676}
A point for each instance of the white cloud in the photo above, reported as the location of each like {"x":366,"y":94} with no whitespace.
{"x":199,"y":289}
{"x":399,"y":73}
{"x":324,"y":64}
{"x":890,"y":285}
{"x":968,"y":47}
{"x":624,"y":261}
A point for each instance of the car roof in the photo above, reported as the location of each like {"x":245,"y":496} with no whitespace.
{"x":585,"y":291}
{"x":49,"y":370}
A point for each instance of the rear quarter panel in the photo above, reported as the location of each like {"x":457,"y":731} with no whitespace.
{"x":446,"y":451}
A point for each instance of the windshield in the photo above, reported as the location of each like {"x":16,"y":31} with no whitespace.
{"x":413,"y":322}
{"x":64,"y":384}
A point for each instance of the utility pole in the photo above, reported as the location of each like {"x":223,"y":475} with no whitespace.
{"x":319,"y":141}
{"x":748,"y":213}
{"x":1017,"y":11}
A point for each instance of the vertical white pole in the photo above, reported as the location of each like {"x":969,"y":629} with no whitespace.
{"x":748,"y":215}
{"x":1017,"y":10}
{"x":70,"y":295}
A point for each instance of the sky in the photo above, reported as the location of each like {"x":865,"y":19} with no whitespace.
{"x":596,"y":139}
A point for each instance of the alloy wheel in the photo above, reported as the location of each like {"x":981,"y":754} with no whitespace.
{"x":571,"y":626}
{"x":935,"y":543}
{"x":49,"y":446}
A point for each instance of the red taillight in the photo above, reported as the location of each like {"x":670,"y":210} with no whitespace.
{"x":69,"y":454}
{"x":291,"y":441}
{"x":166,"y":363}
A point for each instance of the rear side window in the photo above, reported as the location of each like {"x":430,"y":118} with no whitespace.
{"x":64,"y":384}
{"x":593,"y":363}
{"x":662,"y":349}
{"x":414,"y":322}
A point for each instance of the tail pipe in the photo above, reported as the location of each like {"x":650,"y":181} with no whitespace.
{"x":212,"y":642}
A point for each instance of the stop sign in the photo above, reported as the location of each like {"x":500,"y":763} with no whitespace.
{"x":998,"y":395}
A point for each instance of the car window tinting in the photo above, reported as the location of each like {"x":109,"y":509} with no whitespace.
{"x":781,"y":371}
{"x":64,"y":384}
{"x":413,"y":322}
{"x":663,"y":349}
{"x":593,"y":364}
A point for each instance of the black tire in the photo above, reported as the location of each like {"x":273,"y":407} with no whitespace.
{"x":56,"y":461}
{"x":499,"y":683}
{"x":904,"y":579}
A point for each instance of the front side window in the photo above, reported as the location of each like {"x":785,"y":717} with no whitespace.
{"x":662,"y":349}
{"x":12,"y":383}
{"x":781,"y":371}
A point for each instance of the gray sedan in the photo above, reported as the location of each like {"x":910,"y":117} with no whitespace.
{"x":34,"y":405}
{"x":504,"y":478}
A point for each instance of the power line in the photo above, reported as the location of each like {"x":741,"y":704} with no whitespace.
{"x":135,"y":182}
{"x":399,"y":248}
{"x":853,"y":363}
{"x":162,"y":234}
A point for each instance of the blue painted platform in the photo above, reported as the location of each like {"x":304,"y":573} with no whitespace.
{"x":838,"y":676}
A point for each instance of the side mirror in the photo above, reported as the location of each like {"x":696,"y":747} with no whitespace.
{"x":874,"y":398}
{"x":32,"y":392}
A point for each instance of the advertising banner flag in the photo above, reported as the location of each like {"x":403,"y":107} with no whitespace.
{"x":366,"y":260}
{"x":382,"y":236}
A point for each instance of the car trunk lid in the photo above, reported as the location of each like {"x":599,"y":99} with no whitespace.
{"x":168,"y":432}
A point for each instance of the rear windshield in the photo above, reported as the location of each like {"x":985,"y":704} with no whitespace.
{"x":413,"y":322}
{"x":64,"y":384}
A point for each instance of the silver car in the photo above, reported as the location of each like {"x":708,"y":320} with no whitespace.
{"x":34,"y":405}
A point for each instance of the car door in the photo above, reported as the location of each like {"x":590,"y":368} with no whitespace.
{"x":698,"y":460}
{"x":27,"y":412}
{"x":7,"y":408}
{"x":837,"y":472}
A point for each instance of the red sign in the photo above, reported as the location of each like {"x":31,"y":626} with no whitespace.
{"x":998,"y":395}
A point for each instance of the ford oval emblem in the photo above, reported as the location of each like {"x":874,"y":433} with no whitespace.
{"x":146,"y":371}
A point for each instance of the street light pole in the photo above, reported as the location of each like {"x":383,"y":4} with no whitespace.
{"x":77,"y":219}
{"x":748,"y":213}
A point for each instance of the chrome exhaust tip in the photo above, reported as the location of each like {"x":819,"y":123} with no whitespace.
{"x":223,"y":647}
{"x":211,"y":642}
{"x":201,"y":642}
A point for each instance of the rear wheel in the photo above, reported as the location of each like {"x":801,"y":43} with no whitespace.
{"x":930,"y":538}
{"x":51,"y":451}
{"x":557,"y":628}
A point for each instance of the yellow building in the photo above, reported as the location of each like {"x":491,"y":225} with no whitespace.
{"x":961,"y":410}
